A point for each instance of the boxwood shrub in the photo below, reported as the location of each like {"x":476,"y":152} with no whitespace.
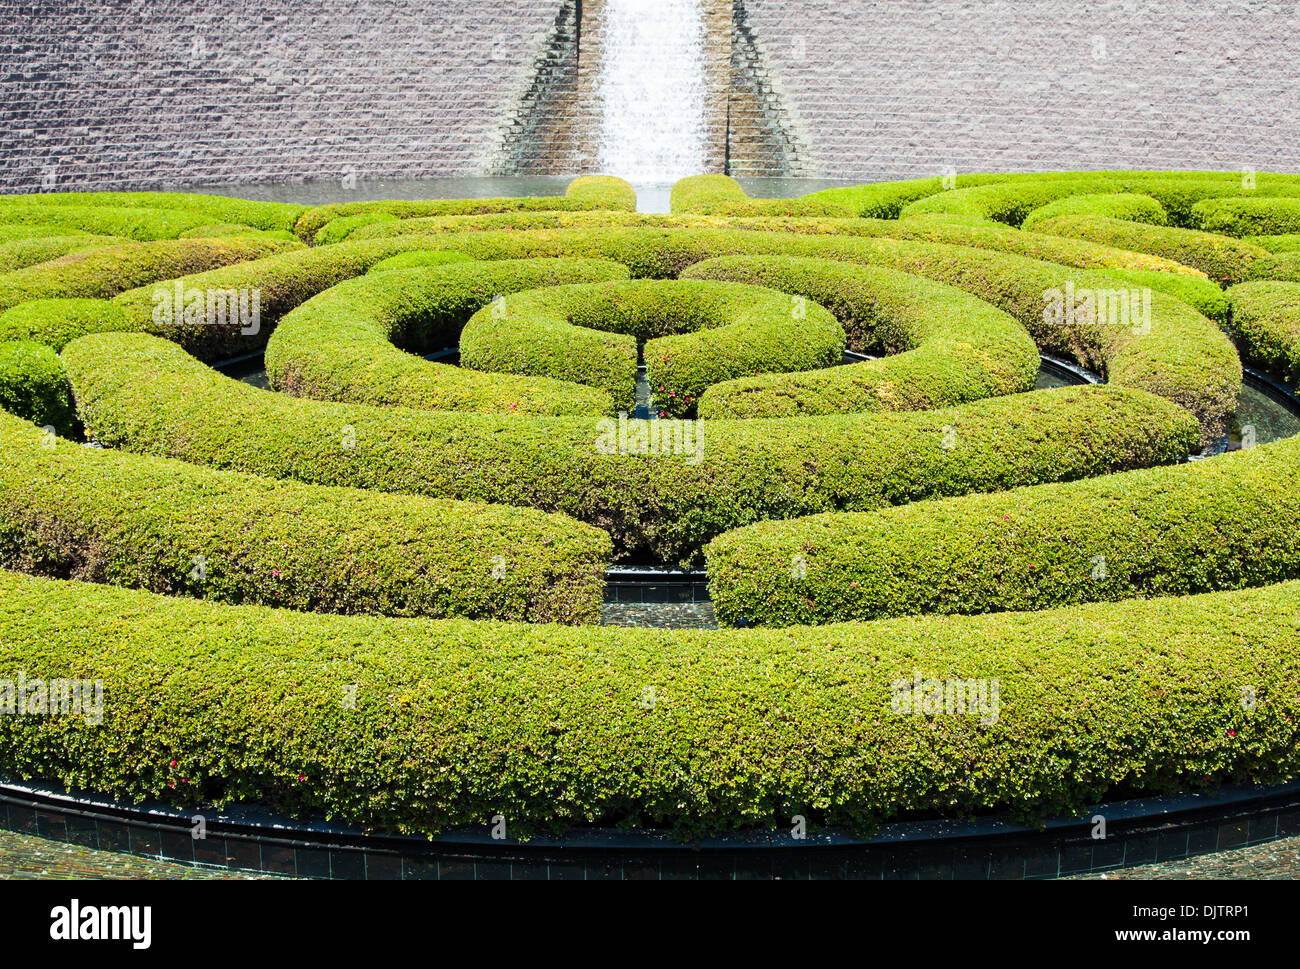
{"x":1114,"y":205}
{"x":946,"y":347}
{"x":413,"y":260}
{"x":144,"y":394}
{"x":339,"y":345}
{"x":100,"y":273}
{"x":56,"y":322}
{"x":338,"y":229}
{"x":141,"y":224}
{"x":171,"y":527}
{"x":722,"y":195}
{"x":1266,"y":326}
{"x":694,"y":334}
{"x":1211,"y":525}
{"x":1184,"y":357}
{"x":1287,"y":242}
{"x":21,"y":253}
{"x":455,"y":722}
{"x":1226,"y":261}
{"x":1283,"y":266}
{"x":212,"y":208}
{"x":34,"y":387}
{"x":1248,"y":216}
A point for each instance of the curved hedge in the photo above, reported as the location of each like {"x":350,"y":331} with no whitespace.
{"x":336,"y":230}
{"x":71,"y":512}
{"x":104,"y":272}
{"x":1266,"y":326}
{"x":695,"y":334}
{"x":140,"y":224}
{"x":147,"y":395}
{"x":1248,"y":216}
{"x":722,"y":195}
{"x":1220,"y":524}
{"x":211,"y":208}
{"x":1225,"y":261}
{"x":1287,"y":242}
{"x":339,"y":345}
{"x":1284,"y":266}
{"x":1114,"y":205}
{"x":946,"y":346}
{"x":414,"y":260}
{"x":1184,"y":357}
{"x":34,"y":387}
{"x":453,"y":723}
{"x":56,"y":322}
{"x":21,"y":253}
{"x":582,"y":194}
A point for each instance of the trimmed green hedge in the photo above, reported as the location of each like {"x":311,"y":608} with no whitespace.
{"x":339,"y":345}
{"x":1184,"y":357}
{"x":1285,"y":266}
{"x":211,"y":208}
{"x":224,"y":230}
{"x":56,"y":322}
{"x":453,"y":723}
{"x":946,"y":346}
{"x":1248,"y":216}
{"x":1205,"y":297}
{"x":414,"y":260}
{"x":1115,"y":205}
{"x":1226,"y":261}
{"x":583,"y":194}
{"x":1219,"y":524}
{"x":722,"y":195}
{"x":34,"y":387}
{"x":1288,"y":242}
{"x":21,"y":253}
{"x":1266,"y":326}
{"x":140,"y":224}
{"x":695,"y":334}
{"x":336,"y":230}
{"x":171,"y":527}
{"x":104,"y":272}
{"x":144,"y":394}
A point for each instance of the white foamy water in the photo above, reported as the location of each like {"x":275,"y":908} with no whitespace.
{"x":651,"y":90}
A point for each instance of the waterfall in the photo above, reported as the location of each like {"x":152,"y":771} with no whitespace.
{"x":652,"y":89}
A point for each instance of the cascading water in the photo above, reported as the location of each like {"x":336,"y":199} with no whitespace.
{"x":652,"y":90}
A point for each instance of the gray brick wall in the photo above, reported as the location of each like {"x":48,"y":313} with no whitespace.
{"x":128,"y":93}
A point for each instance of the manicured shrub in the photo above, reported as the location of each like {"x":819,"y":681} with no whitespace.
{"x":1183,"y":357}
{"x":34,"y":387}
{"x":1248,"y":216}
{"x":1284,"y":266}
{"x":1266,"y":326}
{"x":604,"y":192}
{"x":21,"y":253}
{"x":340,"y":344}
{"x":1154,"y":532}
{"x":1121,"y":205}
{"x":141,"y":224}
{"x":1226,"y":261}
{"x":104,"y":272}
{"x":1288,"y":242}
{"x":56,"y":322}
{"x":455,"y":722}
{"x":338,"y":229}
{"x":211,"y":208}
{"x":886,"y":200}
{"x":175,"y":528}
{"x":695,"y":334}
{"x":224,"y":230}
{"x":1196,"y":291}
{"x":946,"y":347}
{"x":147,"y":395}
{"x":722,"y":195}
{"x":413,"y":260}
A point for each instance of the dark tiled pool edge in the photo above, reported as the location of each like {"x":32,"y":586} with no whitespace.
{"x":1139,"y":832}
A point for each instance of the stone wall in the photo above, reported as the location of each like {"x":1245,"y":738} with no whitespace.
{"x":129,"y":93}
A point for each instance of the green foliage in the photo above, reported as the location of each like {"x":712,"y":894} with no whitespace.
{"x":1121,"y":205}
{"x":56,"y":322}
{"x":1248,"y":216}
{"x":414,"y":260}
{"x":1266,"y":325}
{"x":455,"y":722}
{"x":102,"y":516}
{"x":604,"y":192}
{"x":21,"y":253}
{"x":34,"y":387}
{"x":339,"y":229}
{"x":946,"y":347}
{"x":722,"y":195}
{"x":340,"y":344}
{"x":1153,"y":532}
{"x":695,"y":334}
{"x":147,"y":395}
{"x":1226,"y":261}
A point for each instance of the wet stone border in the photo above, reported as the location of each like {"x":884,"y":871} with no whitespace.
{"x":1140,"y":832}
